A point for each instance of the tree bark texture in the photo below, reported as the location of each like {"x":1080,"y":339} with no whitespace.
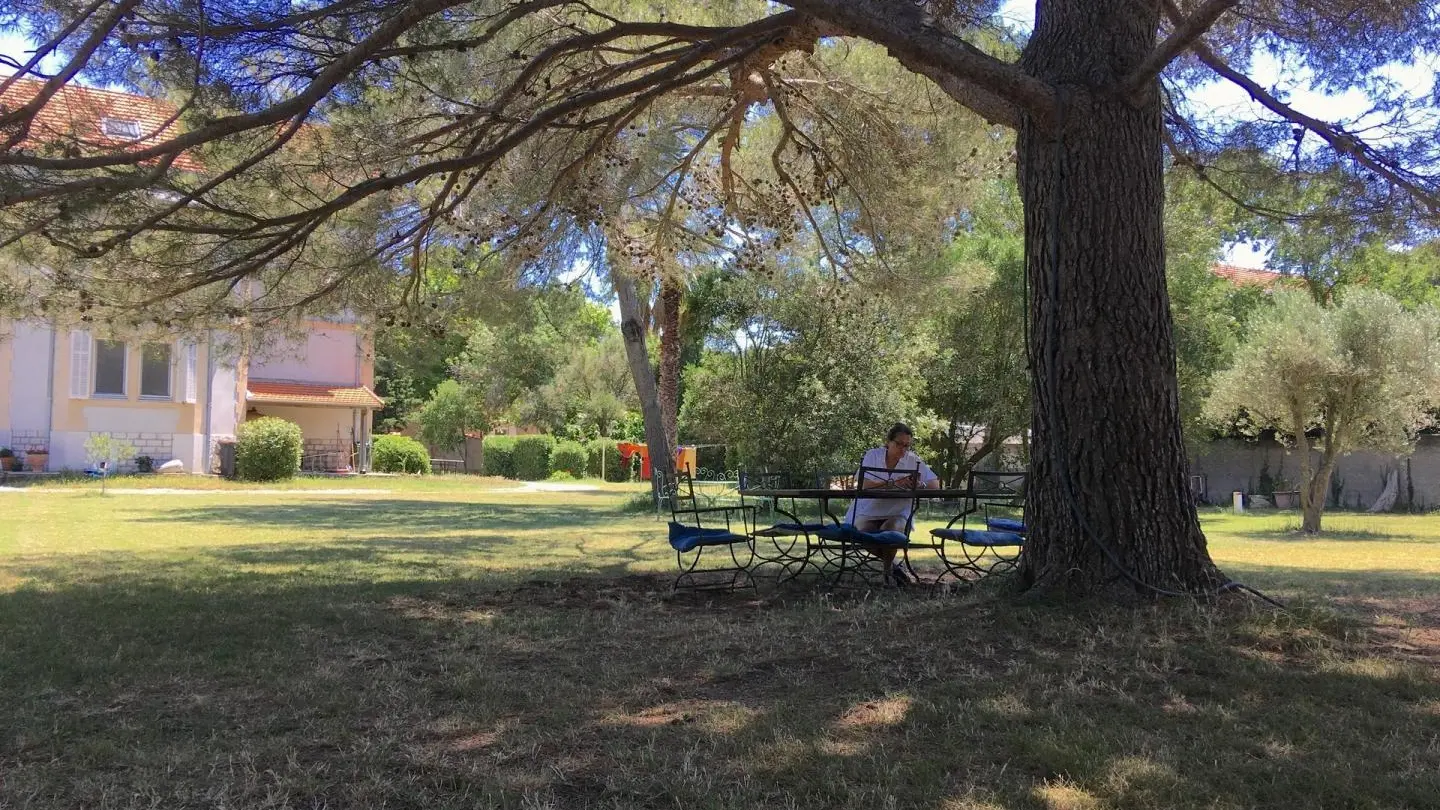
{"x":671,"y":291}
{"x":1109,"y":504}
{"x":633,"y":334}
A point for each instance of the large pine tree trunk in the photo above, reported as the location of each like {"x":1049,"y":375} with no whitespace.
{"x":633,"y":333}
{"x":671,"y":291}
{"x":1109,"y":477}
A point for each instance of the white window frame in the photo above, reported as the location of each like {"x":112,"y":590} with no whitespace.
{"x":95,"y":370}
{"x":169,"y":394}
{"x":127,"y":128}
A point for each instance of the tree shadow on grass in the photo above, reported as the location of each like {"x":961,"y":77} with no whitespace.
{"x":1317,"y":583}
{"x":389,"y":514}
{"x":1295,"y":535}
{"x":217,"y":679}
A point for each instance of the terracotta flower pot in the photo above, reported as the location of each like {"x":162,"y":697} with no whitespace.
{"x":9,"y":463}
{"x":35,"y":462}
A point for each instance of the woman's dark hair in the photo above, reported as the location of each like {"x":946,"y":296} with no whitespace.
{"x":899,"y":429}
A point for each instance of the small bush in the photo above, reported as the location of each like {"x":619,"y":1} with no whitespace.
{"x":499,"y":456}
{"x":614,"y":469}
{"x":711,"y":459}
{"x":400,"y":454}
{"x":560,"y":475}
{"x":268,"y":449}
{"x":569,"y":457}
{"x":532,"y":457}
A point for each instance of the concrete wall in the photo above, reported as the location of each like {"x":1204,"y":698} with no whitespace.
{"x":30,"y":385}
{"x":1231,"y":465}
{"x":329,"y":353}
{"x":7,"y":352}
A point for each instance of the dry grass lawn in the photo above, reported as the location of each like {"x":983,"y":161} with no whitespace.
{"x":448,"y":644}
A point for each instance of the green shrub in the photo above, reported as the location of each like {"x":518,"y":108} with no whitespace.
{"x":499,"y":456}
{"x":268,"y":449}
{"x":569,"y":457}
{"x":532,"y":457}
{"x":400,"y":454}
{"x":711,"y":459}
{"x":560,"y":475}
{"x":614,"y":469}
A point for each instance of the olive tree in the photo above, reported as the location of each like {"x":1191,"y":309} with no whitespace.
{"x":1361,"y":374}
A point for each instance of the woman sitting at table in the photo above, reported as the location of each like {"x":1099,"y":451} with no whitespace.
{"x":905,"y":471}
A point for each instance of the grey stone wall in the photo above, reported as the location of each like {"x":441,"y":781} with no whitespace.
{"x":22,"y":439}
{"x":325,"y":455}
{"x":1232,"y":465}
{"x":160,"y":447}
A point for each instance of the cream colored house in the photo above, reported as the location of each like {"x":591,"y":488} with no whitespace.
{"x":171,"y":396}
{"x":178,"y":397}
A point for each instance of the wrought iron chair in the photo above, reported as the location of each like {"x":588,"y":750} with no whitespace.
{"x":697,"y":546}
{"x":787,"y":543}
{"x":848,"y":550}
{"x":997,"y":504}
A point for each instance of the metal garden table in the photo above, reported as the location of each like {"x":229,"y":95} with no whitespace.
{"x":794,"y":558}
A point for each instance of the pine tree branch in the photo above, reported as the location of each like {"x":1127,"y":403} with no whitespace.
{"x":973,"y":78}
{"x":1339,"y":140}
{"x":1185,"y":34}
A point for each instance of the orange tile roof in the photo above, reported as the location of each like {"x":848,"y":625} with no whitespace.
{"x":281,"y":392}
{"x":73,"y":116}
{"x":1247,"y":275}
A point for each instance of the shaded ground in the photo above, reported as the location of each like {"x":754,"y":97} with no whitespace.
{"x":453,"y":649}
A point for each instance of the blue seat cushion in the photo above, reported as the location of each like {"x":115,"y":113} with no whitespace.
{"x":976,"y":537}
{"x":688,"y":538}
{"x":847,"y":533}
{"x":1005,"y":525}
{"x":790,"y":529}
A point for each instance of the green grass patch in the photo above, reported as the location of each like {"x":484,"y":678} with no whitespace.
{"x":456,"y":642}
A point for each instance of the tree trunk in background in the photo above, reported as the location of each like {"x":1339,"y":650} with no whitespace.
{"x":1109,"y":500}
{"x":671,"y":291}
{"x":635,"y":352}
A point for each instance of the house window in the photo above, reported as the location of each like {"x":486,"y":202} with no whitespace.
{"x":155,"y":370}
{"x":110,"y":368}
{"x":120,"y":128}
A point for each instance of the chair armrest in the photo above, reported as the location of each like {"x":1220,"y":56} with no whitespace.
{"x":745,"y":522}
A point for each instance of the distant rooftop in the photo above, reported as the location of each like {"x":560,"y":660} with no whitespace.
{"x":1246,"y":275}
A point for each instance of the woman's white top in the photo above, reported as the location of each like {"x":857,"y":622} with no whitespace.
{"x":871,"y":508}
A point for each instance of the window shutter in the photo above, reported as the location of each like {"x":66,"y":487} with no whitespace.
{"x":191,"y":353}
{"x":79,"y":364}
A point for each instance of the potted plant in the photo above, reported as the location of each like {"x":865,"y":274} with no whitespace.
{"x":36,"y":456}
{"x":1284,"y":496}
{"x":144,"y":464}
{"x":8,"y":462}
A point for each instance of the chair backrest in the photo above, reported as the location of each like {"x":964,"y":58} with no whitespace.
{"x":677,"y":489}
{"x":999,"y":487}
{"x":827,"y":480}
{"x":764,"y":480}
{"x":869,"y":475}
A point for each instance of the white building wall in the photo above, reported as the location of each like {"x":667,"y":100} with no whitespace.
{"x":326,"y":355}
{"x":30,"y":384}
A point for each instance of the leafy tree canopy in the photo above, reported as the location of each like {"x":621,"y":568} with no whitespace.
{"x":1363,"y":373}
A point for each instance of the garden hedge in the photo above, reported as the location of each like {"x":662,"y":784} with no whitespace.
{"x":570,"y":457}
{"x":532,"y":457}
{"x":500,"y":456}
{"x":268,"y":449}
{"x":400,"y":454}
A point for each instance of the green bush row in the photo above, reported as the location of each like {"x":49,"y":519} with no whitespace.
{"x":538,"y":457}
{"x":400,"y":454}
